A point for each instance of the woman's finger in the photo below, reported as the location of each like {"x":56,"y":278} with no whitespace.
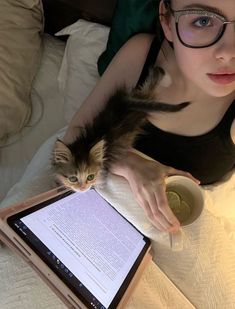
{"x":172,"y":171}
{"x":164,"y":208}
{"x":148,"y":211}
{"x":155,"y":214}
{"x":158,"y":226}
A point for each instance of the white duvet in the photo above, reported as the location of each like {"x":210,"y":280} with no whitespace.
{"x":204,"y":271}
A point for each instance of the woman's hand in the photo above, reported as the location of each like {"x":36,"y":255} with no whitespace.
{"x":147,"y":181}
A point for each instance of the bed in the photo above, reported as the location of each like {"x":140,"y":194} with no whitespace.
{"x":203,"y":274}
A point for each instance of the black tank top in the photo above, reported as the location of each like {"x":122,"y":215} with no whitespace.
{"x":207,"y":157}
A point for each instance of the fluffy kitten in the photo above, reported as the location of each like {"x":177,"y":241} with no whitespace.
{"x":85,"y":162}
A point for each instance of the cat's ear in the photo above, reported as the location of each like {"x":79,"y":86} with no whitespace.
{"x":97,"y":151}
{"x":61,"y":153}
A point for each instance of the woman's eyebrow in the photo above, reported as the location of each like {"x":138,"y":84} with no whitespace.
{"x":203,"y":7}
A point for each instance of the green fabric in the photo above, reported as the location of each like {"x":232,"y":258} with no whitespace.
{"x":130,"y":17}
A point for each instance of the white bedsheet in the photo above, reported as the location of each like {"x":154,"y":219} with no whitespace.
{"x":204,"y":271}
{"x":45,"y":100}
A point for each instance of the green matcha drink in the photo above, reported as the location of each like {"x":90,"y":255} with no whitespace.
{"x":178,"y":205}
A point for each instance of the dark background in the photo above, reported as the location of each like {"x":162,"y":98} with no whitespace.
{"x":61,"y":13}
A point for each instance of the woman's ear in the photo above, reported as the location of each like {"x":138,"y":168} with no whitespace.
{"x":165,"y":19}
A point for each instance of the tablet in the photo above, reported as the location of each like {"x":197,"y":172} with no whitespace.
{"x":87,"y":252}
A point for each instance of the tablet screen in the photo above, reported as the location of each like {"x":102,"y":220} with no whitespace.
{"x":86,"y":242}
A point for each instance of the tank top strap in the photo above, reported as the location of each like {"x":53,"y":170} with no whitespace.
{"x":228,"y":118}
{"x":150,"y":60}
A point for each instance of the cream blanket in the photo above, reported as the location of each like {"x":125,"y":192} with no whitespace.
{"x":204,"y":271}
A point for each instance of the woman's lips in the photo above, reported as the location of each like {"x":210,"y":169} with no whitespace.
{"x":222,"y":79}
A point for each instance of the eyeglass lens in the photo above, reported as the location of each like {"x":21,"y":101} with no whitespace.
{"x":198,"y":29}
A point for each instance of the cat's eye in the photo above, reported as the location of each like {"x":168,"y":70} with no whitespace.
{"x":72,"y":179}
{"x":90,"y":177}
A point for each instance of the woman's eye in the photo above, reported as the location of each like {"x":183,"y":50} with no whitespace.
{"x":73,"y":179}
{"x":90,"y":177}
{"x":203,"y":22}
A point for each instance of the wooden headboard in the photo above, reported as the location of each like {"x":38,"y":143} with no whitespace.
{"x":61,"y":13}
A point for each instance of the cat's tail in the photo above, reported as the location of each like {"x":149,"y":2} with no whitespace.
{"x":132,"y":102}
{"x":152,"y":106}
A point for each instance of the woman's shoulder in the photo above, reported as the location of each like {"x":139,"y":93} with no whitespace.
{"x":131,"y":57}
{"x":141,"y":41}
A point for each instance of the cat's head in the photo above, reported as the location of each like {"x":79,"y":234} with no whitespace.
{"x":75,"y":172}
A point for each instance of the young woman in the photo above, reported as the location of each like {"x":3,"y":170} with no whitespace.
{"x":198,"y":53}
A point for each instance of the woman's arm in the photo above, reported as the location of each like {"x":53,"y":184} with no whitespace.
{"x":124,"y":70}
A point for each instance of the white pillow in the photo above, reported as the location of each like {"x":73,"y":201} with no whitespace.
{"x":21,"y":26}
{"x":79,"y":74}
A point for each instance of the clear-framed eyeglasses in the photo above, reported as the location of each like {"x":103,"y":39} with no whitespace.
{"x":198,"y":28}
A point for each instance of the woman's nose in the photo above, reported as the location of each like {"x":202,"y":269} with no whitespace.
{"x":225,"y":50}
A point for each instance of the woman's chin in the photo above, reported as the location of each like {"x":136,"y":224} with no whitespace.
{"x":220,"y":91}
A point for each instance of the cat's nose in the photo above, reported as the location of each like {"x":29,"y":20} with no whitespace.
{"x":83,"y":188}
